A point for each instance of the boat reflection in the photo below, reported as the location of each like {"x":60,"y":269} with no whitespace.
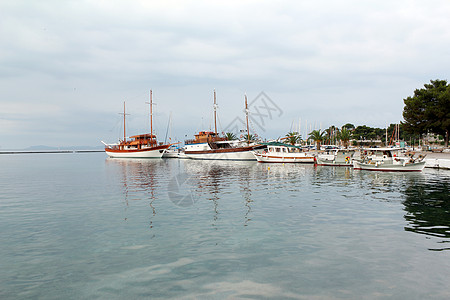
{"x":425,"y":198}
{"x":211,"y":180}
{"x":140,"y":180}
{"x":334,"y":172}
{"x":427,"y":207}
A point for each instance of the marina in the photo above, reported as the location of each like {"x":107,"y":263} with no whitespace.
{"x":225,"y":150}
{"x":82,"y":225}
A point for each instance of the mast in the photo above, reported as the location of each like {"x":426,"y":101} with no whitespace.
{"x":246,"y":117}
{"x":151,"y":115}
{"x":124,"y":135}
{"x":215,"y":109}
{"x":386,"y":135}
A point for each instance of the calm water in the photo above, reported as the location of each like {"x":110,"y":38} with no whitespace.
{"x":80,"y":226}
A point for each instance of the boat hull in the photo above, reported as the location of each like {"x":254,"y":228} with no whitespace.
{"x":389,"y":167}
{"x":288,"y":158}
{"x":154,"y":152}
{"x":321,"y":162}
{"x":338,"y":158}
{"x":243,"y":153}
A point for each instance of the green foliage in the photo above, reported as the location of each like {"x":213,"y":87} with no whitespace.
{"x":364,"y":132}
{"x":230,"y":136}
{"x":251,"y":137}
{"x":317,"y":136}
{"x":349,"y":126}
{"x":345,"y":136}
{"x":429,"y":110}
{"x":331,"y":134}
{"x":293,"y":137}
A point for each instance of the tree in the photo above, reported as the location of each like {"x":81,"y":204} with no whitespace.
{"x":252,"y":137}
{"x":429,"y":110}
{"x":344,"y":136}
{"x":293,"y":137}
{"x":317,"y":136}
{"x":330,"y":135}
{"x":349,"y":126}
{"x":230,"y":136}
{"x":364,"y":132}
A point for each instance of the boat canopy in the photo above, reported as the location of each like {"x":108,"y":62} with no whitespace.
{"x":279,"y":144}
{"x":143,"y":136}
{"x":382,"y":149}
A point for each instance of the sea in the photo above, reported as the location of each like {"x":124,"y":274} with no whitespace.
{"x":83,"y":226}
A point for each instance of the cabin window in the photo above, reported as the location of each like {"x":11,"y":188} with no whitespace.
{"x":284,"y":150}
{"x":277,"y":149}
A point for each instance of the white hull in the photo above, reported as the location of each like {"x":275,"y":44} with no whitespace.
{"x":389,"y":166}
{"x":339,"y":158}
{"x":321,"y":162}
{"x":205,"y":152}
{"x":287,"y":158}
{"x":158,"y":153}
{"x":239,"y":155}
{"x":168,"y":153}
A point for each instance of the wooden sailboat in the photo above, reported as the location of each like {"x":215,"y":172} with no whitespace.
{"x":138,"y":146}
{"x":209,"y":145}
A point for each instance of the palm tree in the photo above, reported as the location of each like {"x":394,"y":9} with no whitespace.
{"x":252,"y":137}
{"x":345,"y":136}
{"x":293,"y":137}
{"x":317,"y":136}
{"x":230,"y":136}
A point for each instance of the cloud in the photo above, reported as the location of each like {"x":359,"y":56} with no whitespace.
{"x":84,"y":56}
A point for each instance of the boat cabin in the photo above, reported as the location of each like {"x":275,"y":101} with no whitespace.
{"x":139,"y":141}
{"x":276,"y":147}
{"x":205,"y":137}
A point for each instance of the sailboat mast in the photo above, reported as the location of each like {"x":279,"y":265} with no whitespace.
{"x":124,"y":131}
{"x":386,"y":135}
{"x":151,"y":115}
{"x":246,"y":117}
{"x":215,"y":109}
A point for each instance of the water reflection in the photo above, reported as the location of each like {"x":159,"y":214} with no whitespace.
{"x":427,"y":206}
{"x":230,"y":189}
{"x":215,"y":180}
{"x":140,"y":179}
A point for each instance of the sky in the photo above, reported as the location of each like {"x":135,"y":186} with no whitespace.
{"x":67,"y":67}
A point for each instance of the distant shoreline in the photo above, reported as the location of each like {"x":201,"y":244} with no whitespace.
{"x":46,"y":151}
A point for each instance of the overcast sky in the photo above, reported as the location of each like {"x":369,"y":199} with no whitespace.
{"x":68,"y":66}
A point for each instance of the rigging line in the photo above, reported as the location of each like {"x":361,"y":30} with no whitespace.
{"x":220,"y":124}
{"x":167,"y":131}
{"x":252,"y":127}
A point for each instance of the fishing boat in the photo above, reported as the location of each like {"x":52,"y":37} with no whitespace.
{"x":336,"y":157}
{"x":209,"y":145}
{"x":388,"y":159}
{"x":277,"y":152}
{"x":173,"y":152}
{"x":137,"y":146}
